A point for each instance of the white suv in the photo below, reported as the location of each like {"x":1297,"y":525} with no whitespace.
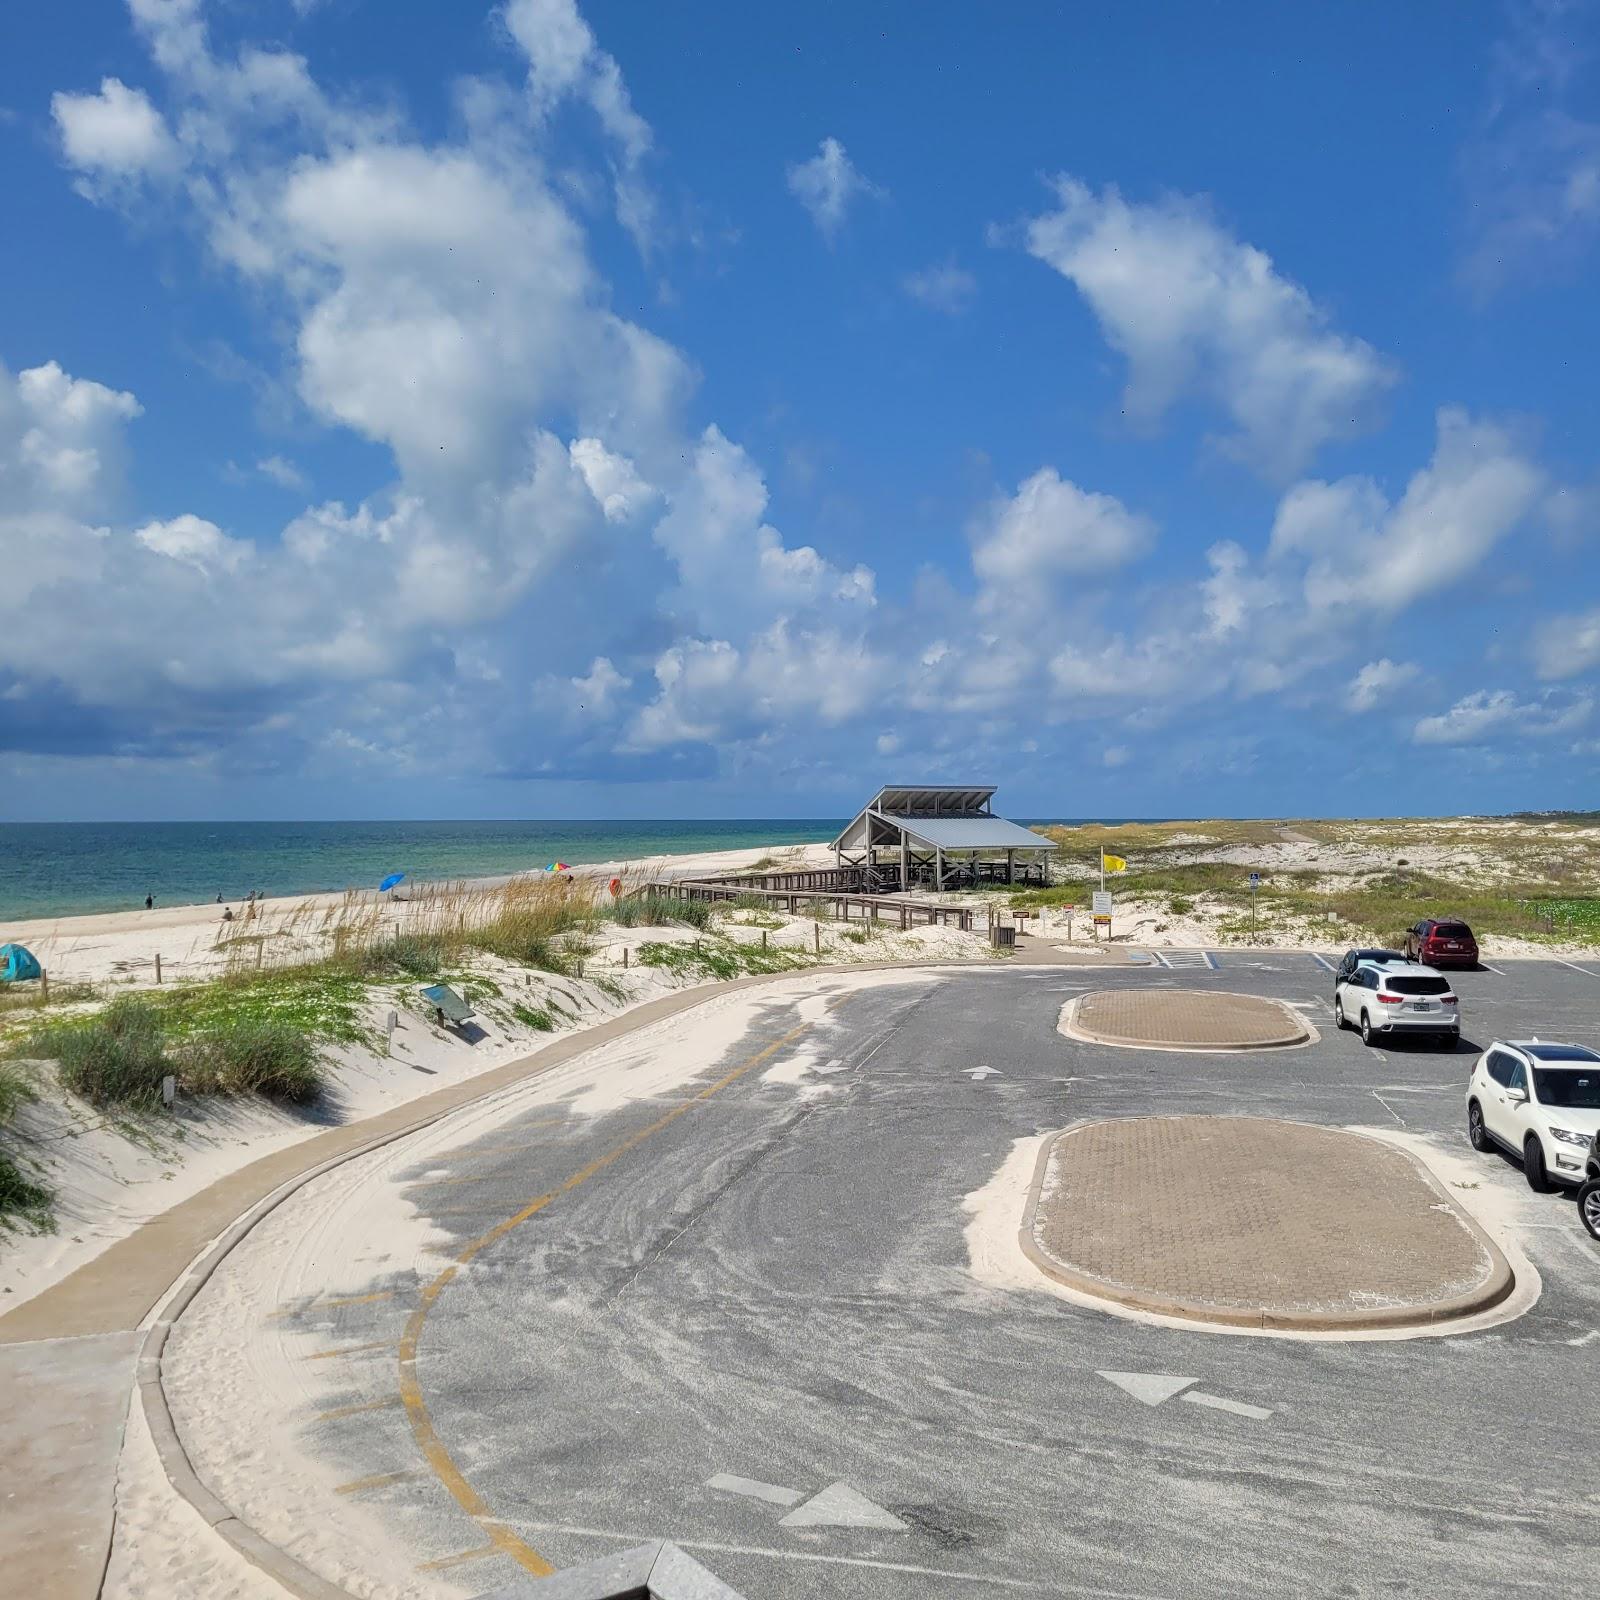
{"x":1541,"y":1102}
{"x":1397,"y":997}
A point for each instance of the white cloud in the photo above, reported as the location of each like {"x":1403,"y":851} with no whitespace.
{"x":1533,"y":172}
{"x":612,"y":479}
{"x":827,"y":184}
{"x":947,"y":288}
{"x":1195,"y":310}
{"x":1564,"y":646}
{"x":1050,"y":528}
{"x":564,"y":61}
{"x":1480,"y":717}
{"x":116,"y":134}
{"x":887,"y":744}
{"x":1476,"y":490}
{"x":282,"y":472}
{"x":61,"y":442}
{"x":193,"y":540}
{"x":1377,"y":680}
{"x":1116,"y":755}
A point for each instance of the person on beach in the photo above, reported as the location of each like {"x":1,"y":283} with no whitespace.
{"x":227,"y":913}
{"x":149,"y":902}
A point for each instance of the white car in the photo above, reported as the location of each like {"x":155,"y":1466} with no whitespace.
{"x":1397,"y":997}
{"x":1540,"y":1102}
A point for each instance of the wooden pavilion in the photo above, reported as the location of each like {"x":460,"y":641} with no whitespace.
{"x":941,"y":836}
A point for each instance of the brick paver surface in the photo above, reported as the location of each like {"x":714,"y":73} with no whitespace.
{"x":1187,"y":1017}
{"x":1232,"y":1214}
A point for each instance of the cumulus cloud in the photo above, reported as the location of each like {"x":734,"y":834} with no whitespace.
{"x":191,"y":539}
{"x":1050,"y":528}
{"x":113,"y":135}
{"x":1564,"y":646}
{"x":947,"y":288}
{"x":827,"y":185}
{"x":1486,"y":715}
{"x":1372,"y":685}
{"x":1196,"y":311}
{"x":1477,"y":489}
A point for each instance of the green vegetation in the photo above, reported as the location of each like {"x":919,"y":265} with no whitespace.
{"x":648,"y":910}
{"x":20,"y":997}
{"x":273,"y":1059}
{"x":20,"y":1197}
{"x":534,"y":1017}
{"x":115,"y":1058}
{"x":119,"y":1056}
{"x":717,"y":958}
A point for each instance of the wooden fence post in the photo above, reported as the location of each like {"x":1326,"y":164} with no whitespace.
{"x":816,"y":929}
{"x":624,"y":958}
{"x":44,"y":987}
{"x":158,"y":966}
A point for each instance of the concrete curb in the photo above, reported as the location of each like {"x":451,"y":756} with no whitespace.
{"x":1496,"y":1288}
{"x":1304,"y":1033}
{"x":290,"y":1574}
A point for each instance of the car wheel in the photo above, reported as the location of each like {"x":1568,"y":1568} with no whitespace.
{"x":1533,"y":1165}
{"x":1477,"y":1134}
{"x":1338,"y":1013}
{"x":1366,"y":1028}
{"x":1589,"y":1206}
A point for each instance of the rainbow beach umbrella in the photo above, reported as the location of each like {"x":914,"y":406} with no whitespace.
{"x":558,"y":866}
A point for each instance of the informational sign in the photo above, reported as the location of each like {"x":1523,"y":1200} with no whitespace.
{"x":1255,"y":880}
{"x":1102,"y":903}
{"x":1102,"y":922}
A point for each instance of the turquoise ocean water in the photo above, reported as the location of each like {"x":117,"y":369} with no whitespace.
{"x":60,"y":868}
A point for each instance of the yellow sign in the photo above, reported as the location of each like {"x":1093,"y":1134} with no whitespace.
{"x":1102,"y":922}
{"x":1114,"y":863}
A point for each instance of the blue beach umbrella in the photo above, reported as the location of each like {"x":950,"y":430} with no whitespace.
{"x":389,"y":882}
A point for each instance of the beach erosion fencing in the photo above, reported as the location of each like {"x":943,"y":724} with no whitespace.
{"x":822,"y":886}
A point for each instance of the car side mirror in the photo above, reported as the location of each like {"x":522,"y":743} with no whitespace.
{"x":1518,"y":1096}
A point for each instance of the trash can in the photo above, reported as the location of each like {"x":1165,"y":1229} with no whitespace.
{"x":1003,"y":936}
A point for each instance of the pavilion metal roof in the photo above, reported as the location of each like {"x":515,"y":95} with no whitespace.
{"x":970,"y":833}
{"x":940,"y":816}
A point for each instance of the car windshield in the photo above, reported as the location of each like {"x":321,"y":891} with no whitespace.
{"x":1416,"y":986}
{"x":1561,"y":1052}
{"x":1566,"y":1086}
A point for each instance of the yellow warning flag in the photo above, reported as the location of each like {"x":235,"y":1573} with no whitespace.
{"x":1114,"y":863}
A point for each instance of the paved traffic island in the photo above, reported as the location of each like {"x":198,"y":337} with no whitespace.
{"x":1183,"y":1019}
{"x":1252,"y":1222}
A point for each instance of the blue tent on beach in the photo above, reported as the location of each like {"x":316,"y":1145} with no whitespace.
{"x":17,"y":964}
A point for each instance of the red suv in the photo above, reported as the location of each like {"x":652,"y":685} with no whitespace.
{"x":1439,"y":943}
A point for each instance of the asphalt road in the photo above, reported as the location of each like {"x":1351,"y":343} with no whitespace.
{"x":771,"y":1281}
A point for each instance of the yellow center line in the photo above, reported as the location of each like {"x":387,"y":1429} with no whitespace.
{"x":379,"y":1480}
{"x":351,"y":1411}
{"x":351,"y":1350}
{"x":433,"y":1450}
{"x":444,"y":1563}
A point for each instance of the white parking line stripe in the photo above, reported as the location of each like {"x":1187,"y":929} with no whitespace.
{"x":1211,"y":960}
{"x":1323,"y":962}
{"x":1162,"y":959}
{"x":1576,"y":968}
{"x":1487,"y":967}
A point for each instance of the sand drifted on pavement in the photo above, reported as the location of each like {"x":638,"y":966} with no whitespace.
{"x":1257,"y":1221}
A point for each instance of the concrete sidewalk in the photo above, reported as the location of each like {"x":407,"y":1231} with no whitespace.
{"x":67,"y":1356}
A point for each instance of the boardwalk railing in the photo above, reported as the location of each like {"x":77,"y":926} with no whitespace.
{"x":795,"y":900}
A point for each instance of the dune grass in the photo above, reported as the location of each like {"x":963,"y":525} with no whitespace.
{"x":119,"y":1056}
{"x":717,"y":958}
{"x":20,"y":1197}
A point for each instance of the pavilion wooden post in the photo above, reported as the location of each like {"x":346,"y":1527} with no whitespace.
{"x":1011,"y":866}
{"x":938,"y":870}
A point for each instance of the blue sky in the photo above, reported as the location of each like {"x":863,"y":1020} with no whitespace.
{"x":452,"y":410}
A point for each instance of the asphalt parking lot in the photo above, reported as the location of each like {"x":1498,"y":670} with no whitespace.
{"x":720,"y":1302}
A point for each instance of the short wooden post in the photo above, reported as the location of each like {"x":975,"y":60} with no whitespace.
{"x":624,"y":958}
{"x":763,"y":938}
{"x":44,"y":987}
{"x":158,"y":966}
{"x":816,"y":929}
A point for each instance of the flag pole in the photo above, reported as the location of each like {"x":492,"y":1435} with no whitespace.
{"x":1102,"y":868}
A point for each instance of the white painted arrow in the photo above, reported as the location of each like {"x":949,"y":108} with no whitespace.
{"x":840,"y":1506}
{"x":978,"y":1074}
{"x":1150,"y":1387}
{"x":775,"y":1493}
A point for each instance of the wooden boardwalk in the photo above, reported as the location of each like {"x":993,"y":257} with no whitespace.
{"x":819,"y":887}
